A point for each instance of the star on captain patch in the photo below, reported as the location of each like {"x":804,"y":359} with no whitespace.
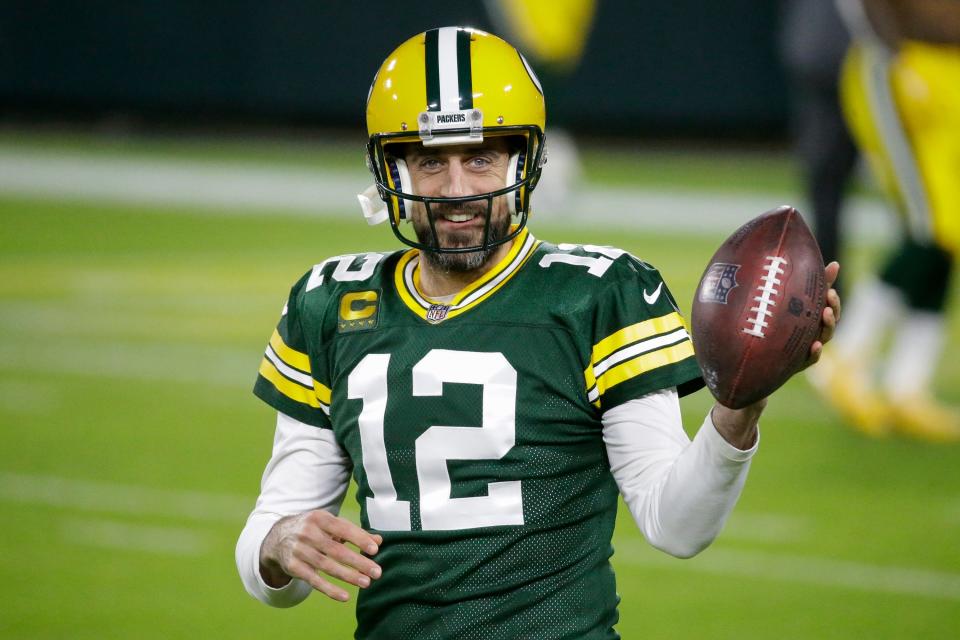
{"x":358,"y":310}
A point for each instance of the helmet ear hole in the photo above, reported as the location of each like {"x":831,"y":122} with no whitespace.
{"x":400,"y":176}
{"x":515,"y":169}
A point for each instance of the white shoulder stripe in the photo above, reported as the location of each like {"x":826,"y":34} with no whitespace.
{"x":638,"y":348}
{"x":288,"y":372}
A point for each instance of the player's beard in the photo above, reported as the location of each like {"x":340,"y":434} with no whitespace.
{"x":461,"y":262}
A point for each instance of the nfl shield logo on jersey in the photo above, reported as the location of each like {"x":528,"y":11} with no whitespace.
{"x":437,"y":312}
{"x":718,"y":281}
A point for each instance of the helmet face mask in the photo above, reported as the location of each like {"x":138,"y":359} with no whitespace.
{"x":447,"y":82}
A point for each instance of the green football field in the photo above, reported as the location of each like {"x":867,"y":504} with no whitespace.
{"x":132,"y":447}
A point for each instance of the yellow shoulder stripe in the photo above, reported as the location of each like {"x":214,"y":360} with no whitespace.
{"x":288,"y":388}
{"x":633,"y":333}
{"x":322,"y":391}
{"x":643,"y":364}
{"x":292,"y":357}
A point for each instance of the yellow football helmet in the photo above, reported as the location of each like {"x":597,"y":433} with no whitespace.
{"x":452,"y":86}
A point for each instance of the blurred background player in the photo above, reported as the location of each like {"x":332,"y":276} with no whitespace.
{"x":813,"y":43}
{"x":901,"y":94}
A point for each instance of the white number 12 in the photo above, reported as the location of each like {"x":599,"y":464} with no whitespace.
{"x":503,"y":504}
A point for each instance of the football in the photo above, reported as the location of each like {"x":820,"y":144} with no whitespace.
{"x":757,"y":308}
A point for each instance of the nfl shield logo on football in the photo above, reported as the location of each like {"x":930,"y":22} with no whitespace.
{"x":437,"y":312}
{"x":718,"y":282}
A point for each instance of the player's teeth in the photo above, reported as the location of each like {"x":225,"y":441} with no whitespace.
{"x":458,"y":217}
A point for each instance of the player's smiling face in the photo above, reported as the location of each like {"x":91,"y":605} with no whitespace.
{"x":457,"y":171}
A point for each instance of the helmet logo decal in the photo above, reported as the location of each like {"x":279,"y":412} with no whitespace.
{"x":448,"y":69}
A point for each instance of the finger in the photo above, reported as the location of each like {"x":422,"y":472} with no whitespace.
{"x":327,"y":565}
{"x":833,"y":300}
{"x":830,"y":273}
{"x":319,"y":561}
{"x":828,"y":327}
{"x":349,"y":532}
{"x":350,"y":558}
{"x":828,"y":324}
{"x":816,"y":349}
{"x":309,"y":575}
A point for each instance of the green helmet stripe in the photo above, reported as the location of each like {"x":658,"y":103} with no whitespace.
{"x":432,"y":69}
{"x":464,"y":75}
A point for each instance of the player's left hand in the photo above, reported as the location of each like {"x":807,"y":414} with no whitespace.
{"x":830,"y":316}
{"x":739,"y":426}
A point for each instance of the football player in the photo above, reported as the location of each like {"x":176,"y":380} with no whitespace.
{"x":489,"y":393}
{"x":901,"y":92}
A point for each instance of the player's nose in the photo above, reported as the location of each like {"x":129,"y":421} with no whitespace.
{"x":455,"y":183}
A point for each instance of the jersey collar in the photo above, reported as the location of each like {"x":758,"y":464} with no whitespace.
{"x":407,"y":280}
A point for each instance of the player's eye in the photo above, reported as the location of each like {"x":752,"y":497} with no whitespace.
{"x":480,"y":162}
{"x":429,"y":164}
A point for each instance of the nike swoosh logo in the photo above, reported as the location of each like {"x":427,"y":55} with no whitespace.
{"x":652,"y":297}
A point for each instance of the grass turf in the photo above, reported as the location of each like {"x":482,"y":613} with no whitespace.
{"x":130,"y":339}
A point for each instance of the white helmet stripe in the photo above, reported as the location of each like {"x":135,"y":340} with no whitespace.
{"x":449,"y":73}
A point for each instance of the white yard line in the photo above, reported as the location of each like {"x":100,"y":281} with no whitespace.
{"x":810,"y":570}
{"x":176,"y":541}
{"x":246,"y":188}
{"x":234,"y":187}
{"x":112,"y":498}
{"x":108,"y":497}
{"x":167,"y":362}
{"x":766,"y":527}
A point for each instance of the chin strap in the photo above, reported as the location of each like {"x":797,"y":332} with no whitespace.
{"x":374,"y":209}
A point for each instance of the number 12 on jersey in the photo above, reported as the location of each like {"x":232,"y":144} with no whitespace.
{"x":503,"y":504}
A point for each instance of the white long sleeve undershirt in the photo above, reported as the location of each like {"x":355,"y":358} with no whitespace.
{"x":679,"y":492}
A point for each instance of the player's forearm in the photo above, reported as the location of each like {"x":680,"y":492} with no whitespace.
{"x":679,"y":493}
{"x":686,"y":511}
{"x":269,"y":564}
{"x":262,"y":587}
{"x":306,"y":471}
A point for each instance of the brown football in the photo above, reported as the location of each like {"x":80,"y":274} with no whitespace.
{"x":758,"y":306}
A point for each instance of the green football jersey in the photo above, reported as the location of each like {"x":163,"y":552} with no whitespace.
{"x":474,"y":427}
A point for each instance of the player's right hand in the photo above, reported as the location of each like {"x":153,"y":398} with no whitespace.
{"x":313,"y":543}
